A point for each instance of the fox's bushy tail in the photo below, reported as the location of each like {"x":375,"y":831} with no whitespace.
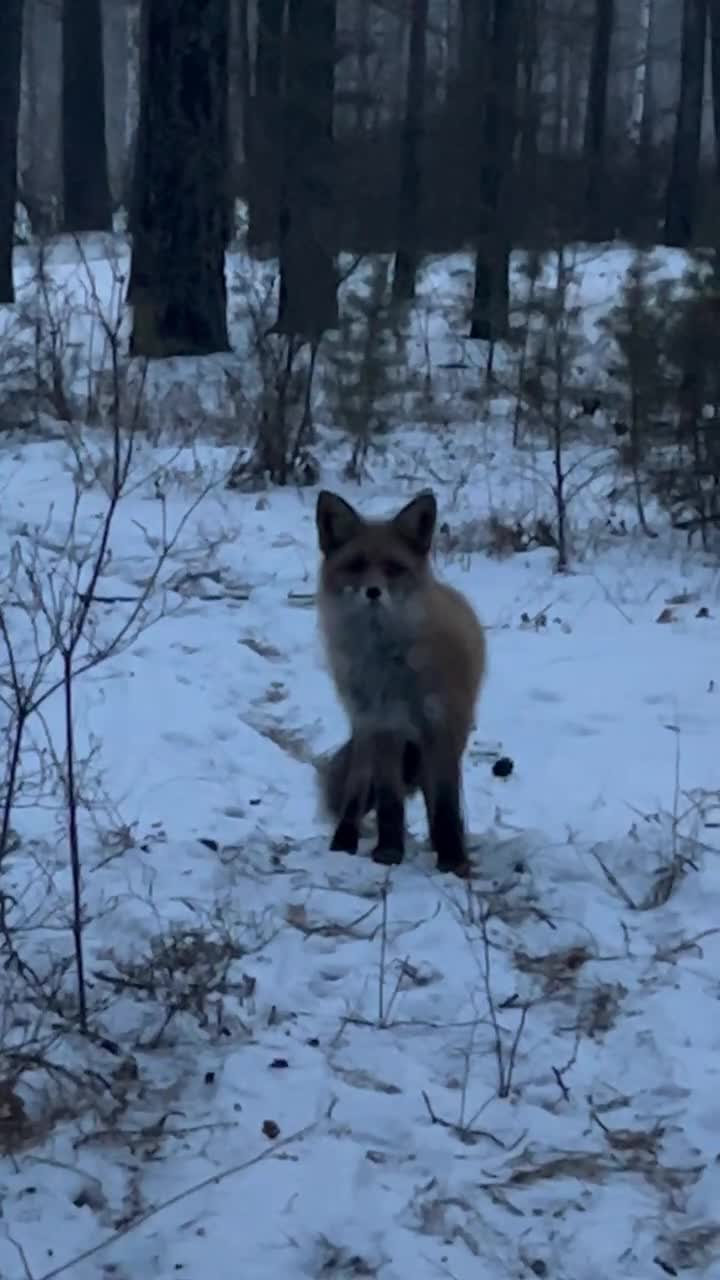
{"x":334,"y":769}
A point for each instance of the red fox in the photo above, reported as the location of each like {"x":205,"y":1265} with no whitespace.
{"x":407,"y":655}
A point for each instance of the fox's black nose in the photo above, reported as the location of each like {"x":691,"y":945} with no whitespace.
{"x":373,"y":593}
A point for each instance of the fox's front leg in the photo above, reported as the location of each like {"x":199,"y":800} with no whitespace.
{"x":441,"y":784}
{"x":388,"y":756}
{"x":356,"y":791}
{"x":347,"y":832}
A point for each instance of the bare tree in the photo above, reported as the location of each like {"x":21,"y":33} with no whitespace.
{"x":596,"y":208}
{"x":180,"y":224}
{"x":264,"y":126}
{"x":492,"y":261}
{"x":364,"y":47}
{"x":87,"y":204}
{"x":469,"y":92}
{"x":641,"y":112}
{"x":308,"y":280}
{"x":714,"y":8}
{"x":529,"y":110}
{"x":681,"y":198}
{"x":10,"y":60}
{"x":408,"y":249}
{"x":239,"y":101}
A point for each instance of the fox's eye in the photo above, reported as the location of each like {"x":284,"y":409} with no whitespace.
{"x":393,"y":568}
{"x":357,"y":565}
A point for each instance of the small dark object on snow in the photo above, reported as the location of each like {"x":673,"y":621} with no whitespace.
{"x":279,"y":1064}
{"x":271,"y":1130}
{"x":503,"y":767}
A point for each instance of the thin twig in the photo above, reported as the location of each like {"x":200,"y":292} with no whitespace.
{"x":461,"y":1131}
{"x":614,"y":882}
{"x":383,"y":955}
{"x":212,"y":1180}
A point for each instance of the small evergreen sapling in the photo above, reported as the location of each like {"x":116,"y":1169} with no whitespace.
{"x":366,"y":362}
{"x":638,"y":327}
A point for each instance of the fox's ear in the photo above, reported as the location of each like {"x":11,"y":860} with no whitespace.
{"x":337,"y":522}
{"x":416,"y":522}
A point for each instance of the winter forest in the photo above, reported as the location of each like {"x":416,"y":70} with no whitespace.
{"x":252,"y":251}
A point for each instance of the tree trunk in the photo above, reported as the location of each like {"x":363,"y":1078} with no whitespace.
{"x":474,"y":21}
{"x":558,"y":97}
{"x":470,"y":93}
{"x":264,"y":132}
{"x":237,"y":115}
{"x":715,"y":73}
{"x":138,"y":176}
{"x":530,"y":107}
{"x":180,"y":225}
{"x":407,"y":255}
{"x":40,"y":146}
{"x":681,"y":199}
{"x":116,"y":61}
{"x":363,"y":48}
{"x":243,"y":24}
{"x":597,"y":216}
{"x":490,"y":307}
{"x":10,"y":63}
{"x":641,"y":79}
{"x":87,"y":205}
{"x":308,"y":280}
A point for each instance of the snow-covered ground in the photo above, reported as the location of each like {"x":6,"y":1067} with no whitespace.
{"x":304,"y":1066}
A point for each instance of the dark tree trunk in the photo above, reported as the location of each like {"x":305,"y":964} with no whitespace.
{"x":715,"y":73}
{"x":473,"y":61}
{"x":407,"y":255}
{"x":243,"y":19}
{"x":237,"y":115}
{"x":469,"y":95}
{"x":363,"y":47}
{"x":490,"y":306}
{"x":10,"y":62}
{"x":265,"y":128}
{"x":596,"y":202}
{"x":681,"y":199}
{"x":181,"y":225}
{"x":529,"y":112}
{"x":308,"y":280}
{"x":87,"y":204}
{"x":137,"y":163}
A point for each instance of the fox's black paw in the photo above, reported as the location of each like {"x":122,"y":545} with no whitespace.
{"x":387,"y":857}
{"x":346,"y":839}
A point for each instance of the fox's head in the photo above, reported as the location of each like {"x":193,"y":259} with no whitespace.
{"x":375,"y":564}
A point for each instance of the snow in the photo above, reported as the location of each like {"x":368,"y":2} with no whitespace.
{"x":372,"y":1073}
